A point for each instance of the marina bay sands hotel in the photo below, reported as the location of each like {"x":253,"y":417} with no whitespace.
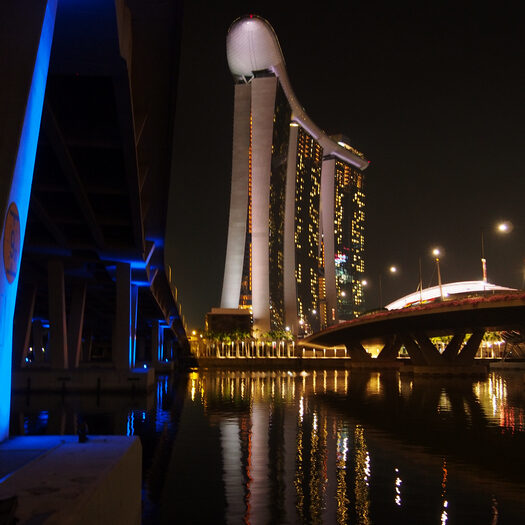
{"x":296,"y":227}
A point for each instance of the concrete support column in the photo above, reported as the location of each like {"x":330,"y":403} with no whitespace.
{"x":430,"y":352}
{"x":25,"y":307}
{"x":76,"y":323}
{"x":157,"y":343}
{"x":57,"y":315}
{"x":468,"y":352}
{"x":122,"y":334}
{"x":451,"y":351}
{"x":391,"y":349}
{"x":134,"y":303}
{"x":27,"y":35}
{"x":414,"y":351}
{"x":357,"y":352}
{"x":37,"y":340}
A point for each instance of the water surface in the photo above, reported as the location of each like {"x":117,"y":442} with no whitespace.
{"x":320,"y":447}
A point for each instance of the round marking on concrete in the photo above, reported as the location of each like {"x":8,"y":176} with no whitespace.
{"x":11,"y":242}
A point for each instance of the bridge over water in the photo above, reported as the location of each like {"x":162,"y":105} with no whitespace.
{"x":87,"y":103}
{"x":414,"y":327}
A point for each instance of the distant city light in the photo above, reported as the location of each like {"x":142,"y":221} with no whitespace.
{"x":393,"y":269}
{"x":364,"y":282}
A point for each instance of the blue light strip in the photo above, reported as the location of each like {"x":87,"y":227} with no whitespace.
{"x":20,"y":193}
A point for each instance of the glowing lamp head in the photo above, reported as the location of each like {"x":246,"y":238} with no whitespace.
{"x":393,"y":269}
{"x":436,"y":252}
{"x":504,"y":227}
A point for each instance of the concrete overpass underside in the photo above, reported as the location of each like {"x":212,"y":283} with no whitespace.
{"x":93,"y":285}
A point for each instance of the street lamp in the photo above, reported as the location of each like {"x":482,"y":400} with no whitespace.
{"x":436,"y":253}
{"x":393,"y":270}
{"x":503,"y":227}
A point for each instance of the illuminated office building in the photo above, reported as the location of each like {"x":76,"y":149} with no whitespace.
{"x":295,"y":237}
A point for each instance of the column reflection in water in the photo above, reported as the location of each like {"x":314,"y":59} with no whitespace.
{"x":232,"y":472}
{"x":330,"y":446}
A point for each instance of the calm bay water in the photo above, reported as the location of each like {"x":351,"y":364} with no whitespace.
{"x":325,"y":446}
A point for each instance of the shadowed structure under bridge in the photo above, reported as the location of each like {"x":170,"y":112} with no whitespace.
{"x":87,"y":101}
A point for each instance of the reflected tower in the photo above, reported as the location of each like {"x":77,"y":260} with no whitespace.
{"x":296,"y":227}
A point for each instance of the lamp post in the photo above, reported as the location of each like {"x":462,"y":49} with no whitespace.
{"x":436,"y":252}
{"x":392,"y":269}
{"x":503,"y":227}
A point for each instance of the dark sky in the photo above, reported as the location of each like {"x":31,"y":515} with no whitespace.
{"x":432,"y":93}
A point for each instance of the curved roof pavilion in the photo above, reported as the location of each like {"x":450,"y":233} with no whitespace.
{"x":252,"y":46}
{"x":450,"y":291}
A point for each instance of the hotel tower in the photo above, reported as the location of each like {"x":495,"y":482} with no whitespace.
{"x":296,"y":228}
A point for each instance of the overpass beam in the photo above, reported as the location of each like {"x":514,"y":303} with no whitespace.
{"x":391,"y":349}
{"x":451,"y":351}
{"x":357,"y":352}
{"x":468,"y":352}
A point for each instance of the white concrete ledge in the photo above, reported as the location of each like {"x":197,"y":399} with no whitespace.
{"x":98,"y":481}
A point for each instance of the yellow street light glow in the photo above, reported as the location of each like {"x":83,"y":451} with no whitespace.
{"x":393,"y":269}
{"x":504,"y":227}
{"x":436,"y":252}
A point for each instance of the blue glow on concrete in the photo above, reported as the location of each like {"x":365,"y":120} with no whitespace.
{"x":20,"y":193}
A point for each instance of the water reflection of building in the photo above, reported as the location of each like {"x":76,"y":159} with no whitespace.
{"x":296,"y":449}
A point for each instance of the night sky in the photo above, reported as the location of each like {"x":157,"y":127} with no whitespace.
{"x":431,"y":93}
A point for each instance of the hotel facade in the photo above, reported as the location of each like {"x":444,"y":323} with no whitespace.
{"x":295,"y":251}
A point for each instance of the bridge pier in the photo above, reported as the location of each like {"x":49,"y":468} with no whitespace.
{"x":451,"y":351}
{"x":469,"y":350}
{"x":357,"y":352}
{"x":391,"y":349}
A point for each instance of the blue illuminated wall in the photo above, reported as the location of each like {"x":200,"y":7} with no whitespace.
{"x":18,"y":193}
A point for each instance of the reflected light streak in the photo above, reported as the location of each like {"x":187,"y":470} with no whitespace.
{"x":398,"y":483}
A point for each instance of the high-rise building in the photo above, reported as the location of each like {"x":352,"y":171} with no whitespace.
{"x":296,"y":230}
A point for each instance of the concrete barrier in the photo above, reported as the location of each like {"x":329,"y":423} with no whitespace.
{"x":64,"y":482}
